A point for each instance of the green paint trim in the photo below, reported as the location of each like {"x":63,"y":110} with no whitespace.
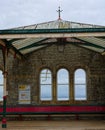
{"x":51,"y":113}
{"x":39,"y":31}
{"x":4,"y":121}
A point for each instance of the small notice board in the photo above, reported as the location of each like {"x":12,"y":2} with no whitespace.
{"x":24,"y":94}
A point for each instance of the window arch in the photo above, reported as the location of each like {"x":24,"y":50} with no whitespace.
{"x":45,"y":84}
{"x":80,"y":85}
{"x":63,"y":84}
{"x":1,"y":86}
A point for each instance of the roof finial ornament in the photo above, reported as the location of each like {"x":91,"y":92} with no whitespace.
{"x":59,"y":13}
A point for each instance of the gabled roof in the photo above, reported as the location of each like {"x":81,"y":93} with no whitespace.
{"x":57,"y":24}
{"x":31,"y":38}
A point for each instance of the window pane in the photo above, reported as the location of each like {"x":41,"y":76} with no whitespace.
{"x":63,"y":92}
{"x":80,"y":85}
{"x":80,"y":76}
{"x":1,"y":78}
{"x":80,"y":92}
{"x":45,"y":77}
{"x":63,"y":76}
{"x":46,"y":93}
{"x":1,"y":92}
{"x":62,"y":85}
{"x":45,"y":85}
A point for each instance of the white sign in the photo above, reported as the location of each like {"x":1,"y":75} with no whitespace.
{"x":24,"y":94}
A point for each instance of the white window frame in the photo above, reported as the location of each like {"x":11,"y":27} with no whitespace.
{"x":44,"y":84}
{"x":64,"y":82}
{"x":78,"y":85}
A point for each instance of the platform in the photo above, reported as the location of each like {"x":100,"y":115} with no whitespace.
{"x":56,"y":125}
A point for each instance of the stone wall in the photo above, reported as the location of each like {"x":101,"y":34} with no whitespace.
{"x":1,"y":60}
{"x":27,"y":72}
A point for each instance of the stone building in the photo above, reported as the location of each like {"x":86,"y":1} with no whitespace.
{"x":31,"y":54}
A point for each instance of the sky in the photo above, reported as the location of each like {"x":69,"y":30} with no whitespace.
{"x":17,"y":13}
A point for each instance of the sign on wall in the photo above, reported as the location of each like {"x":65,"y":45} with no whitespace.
{"x":24,"y":94}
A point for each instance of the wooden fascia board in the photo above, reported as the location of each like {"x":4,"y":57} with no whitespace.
{"x":39,"y":31}
{"x":51,"y":33}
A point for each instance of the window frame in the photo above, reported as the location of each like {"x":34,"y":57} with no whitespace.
{"x":63,"y":84}
{"x":81,"y":84}
{"x":51,"y":85}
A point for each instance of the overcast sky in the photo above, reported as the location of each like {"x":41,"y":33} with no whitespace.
{"x":15,"y":13}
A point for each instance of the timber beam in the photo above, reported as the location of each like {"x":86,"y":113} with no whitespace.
{"x":12,"y":50}
{"x":50,"y":35}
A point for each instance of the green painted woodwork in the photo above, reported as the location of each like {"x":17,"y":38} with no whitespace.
{"x":39,"y":31}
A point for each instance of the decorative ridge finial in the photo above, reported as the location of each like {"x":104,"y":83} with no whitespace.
{"x":59,"y":13}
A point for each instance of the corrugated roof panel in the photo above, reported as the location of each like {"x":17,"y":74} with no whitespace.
{"x":31,"y":44}
{"x":96,"y":41}
{"x":26,"y":42}
{"x":64,"y":24}
{"x":25,"y":51}
{"x":92,"y":48}
{"x":59,"y":24}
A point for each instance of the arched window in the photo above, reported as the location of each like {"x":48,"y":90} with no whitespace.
{"x":63,"y":84}
{"x":45,"y":85}
{"x":1,"y":86}
{"x":80,"y":85}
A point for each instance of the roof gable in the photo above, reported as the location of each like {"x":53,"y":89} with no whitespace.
{"x":59,"y":24}
{"x":33,"y":37}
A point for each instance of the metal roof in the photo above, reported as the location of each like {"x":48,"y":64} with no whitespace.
{"x":59,"y":24}
{"x":26,"y":39}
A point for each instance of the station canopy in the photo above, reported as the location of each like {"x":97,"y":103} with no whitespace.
{"x":26,"y":39}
